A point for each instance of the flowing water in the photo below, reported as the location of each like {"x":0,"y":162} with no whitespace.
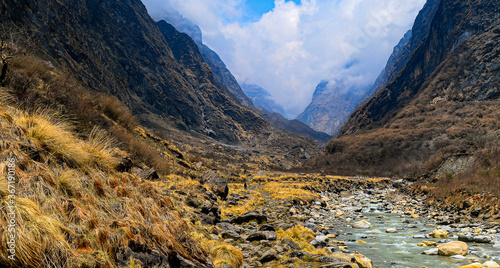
{"x":395,"y":250}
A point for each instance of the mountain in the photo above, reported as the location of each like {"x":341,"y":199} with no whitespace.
{"x":294,"y":126}
{"x":330,"y":107}
{"x":390,"y":70}
{"x":261,"y":97}
{"x":252,"y":96}
{"x":442,"y":102}
{"x":131,"y":58}
{"x":222,"y":76}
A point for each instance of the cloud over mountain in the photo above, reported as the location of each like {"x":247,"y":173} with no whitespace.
{"x":293,"y":47}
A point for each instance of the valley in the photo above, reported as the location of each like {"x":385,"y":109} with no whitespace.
{"x":127,"y":142}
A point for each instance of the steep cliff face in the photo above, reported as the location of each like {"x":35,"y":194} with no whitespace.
{"x":132,"y":59}
{"x":403,"y":51}
{"x":390,"y":70}
{"x":444,"y":100}
{"x":224,"y":79}
{"x":330,"y":107}
{"x":452,"y":24}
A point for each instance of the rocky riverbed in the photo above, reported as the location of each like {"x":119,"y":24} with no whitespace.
{"x":375,"y":227}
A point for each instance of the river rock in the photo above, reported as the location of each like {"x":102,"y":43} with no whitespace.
{"x":427,"y":244}
{"x":250,"y":216}
{"x":432,"y":251}
{"x":262,"y":235}
{"x":419,"y":236}
{"x":290,"y":243}
{"x":336,"y":265}
{"x":311,"y":226}
{"x":453,"y":248}
{"x":391,"y":230}
{"x":491,"y":264}
{"x":440,"y":233}
{"x":482,"y":239}
{"x":363,"y":261}
{"x":231,"y":235}
{"x":361,"y":225}
{"x":267,"y":227}
{"x":269,"y":255}
{"x":473,"y":265}
{"x":466,"y":238}
{"x":458,"y":257}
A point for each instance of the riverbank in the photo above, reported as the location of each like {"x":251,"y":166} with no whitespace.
{"x":343,"y":222}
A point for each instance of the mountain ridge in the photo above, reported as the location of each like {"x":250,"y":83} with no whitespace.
{"x":440,"y":104}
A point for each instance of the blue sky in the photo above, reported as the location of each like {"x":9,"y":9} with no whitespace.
{"x":256,"y":8}
{"x":289,"y":46}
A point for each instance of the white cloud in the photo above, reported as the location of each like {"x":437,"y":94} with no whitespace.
{"x":293,"y":47}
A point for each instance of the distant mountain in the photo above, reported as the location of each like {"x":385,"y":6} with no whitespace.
{"x":441,"y":98}
{"x":330,"y":107}
{"x":261,"y":97}
{"x":294,"y":126}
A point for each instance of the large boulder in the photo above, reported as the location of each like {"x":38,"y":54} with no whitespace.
{"x":218,"y":185}
{"x":453,"y":248}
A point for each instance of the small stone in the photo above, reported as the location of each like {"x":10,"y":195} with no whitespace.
{"x":428,"y":244}
{"x":440,"y":233}
{"x":391,"y":230}
{"x":432,"y":251}
{"x":458,"y":257}
{"x":361,"y":225}
{"x":267,"y":227}
{"x":290,"y":243}
{"x":311,"y":226}
{"x":268,"y":256}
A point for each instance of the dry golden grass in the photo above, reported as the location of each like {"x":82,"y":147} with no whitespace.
{"x":223,"y":253}
{"x":40,"y":240}
{"x":76,"y":209}
{"x":55,"y":138}
{"x":256,"y":200}
{"x":285,"y":190}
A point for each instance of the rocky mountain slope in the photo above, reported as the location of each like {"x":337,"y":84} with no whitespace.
{"x":330,"y":107}
{"x":223,"y":77}
{"x":443,"y":102}
{"x":131,"y":59}
{"x":250,"y":96}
